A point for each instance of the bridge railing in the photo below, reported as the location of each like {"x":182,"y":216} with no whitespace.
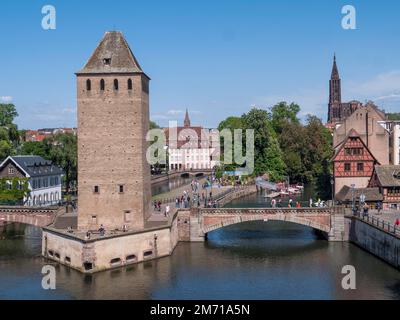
{"x":379,"y":223}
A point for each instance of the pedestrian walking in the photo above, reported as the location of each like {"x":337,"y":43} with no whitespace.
{"x":167,"y":210}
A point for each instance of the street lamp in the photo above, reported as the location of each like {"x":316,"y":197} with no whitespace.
{"x":332,"y":191}
{"x":352,"y":193}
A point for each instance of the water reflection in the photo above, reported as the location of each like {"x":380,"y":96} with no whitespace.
{"x":165,"y":186}
{"x":254,"y":260}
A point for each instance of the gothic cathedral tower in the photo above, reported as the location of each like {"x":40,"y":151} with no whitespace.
{"x":113,"y":118}
{"x":335,"y":96}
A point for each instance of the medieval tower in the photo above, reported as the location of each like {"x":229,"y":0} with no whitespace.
{"x":335,"y":94}
{"x":114,"y":187}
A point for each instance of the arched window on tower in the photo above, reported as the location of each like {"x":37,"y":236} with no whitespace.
{"x":115,"y":84}
{"x":88,"y":85}
{"x":102,"y":85}
{"x":129,"y":84}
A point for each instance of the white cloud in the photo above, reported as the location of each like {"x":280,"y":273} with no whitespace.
{"x":69,"y":110}
{"x":384,"y":84}
{"x":6,"y":98}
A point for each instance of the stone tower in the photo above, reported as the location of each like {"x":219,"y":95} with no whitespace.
{"x":113,"y":118}
{"x":335,"y":95}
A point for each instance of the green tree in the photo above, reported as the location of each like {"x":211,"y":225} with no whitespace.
{"x":9,"y":134}
{"x":153,"y":125}
{"x":38,"y":148}
{"x":8,"y":113}
{"x":63,"y":152}
{"x":318,"y":155}
{"x":267,"y":153}
{"x":282,"y":114}
{"x":230,"y":123}
{"x":13,"y":190}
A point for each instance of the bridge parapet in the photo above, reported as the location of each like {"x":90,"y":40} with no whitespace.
{"x":37,"y":216}
{"x":211,"y":219}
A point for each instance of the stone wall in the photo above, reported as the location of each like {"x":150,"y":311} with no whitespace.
{"x":109,"y":252}
{"x":374,"y":240}
{"x":236,"y":194}
{"x":183,"y":221}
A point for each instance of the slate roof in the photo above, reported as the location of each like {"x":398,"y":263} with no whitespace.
{"x":36,"y":166}
{"x":346,"y":194}
{"x":114,"y":47}
{"x":388,"y":175}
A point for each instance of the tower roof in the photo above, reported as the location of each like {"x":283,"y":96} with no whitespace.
{"x":186,"y":123}
{"x":335,"y":72}
{"x":112,"y":55}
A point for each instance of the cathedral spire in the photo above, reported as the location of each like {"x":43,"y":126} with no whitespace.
{"x":187,"y":120}
{"x":335,"y":72}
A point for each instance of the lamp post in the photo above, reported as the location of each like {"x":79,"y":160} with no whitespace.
{"x":352,"y":201}
{"x":332,"y":191}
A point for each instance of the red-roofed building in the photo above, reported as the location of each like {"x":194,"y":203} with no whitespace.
{"x":353,"y":163}
{"x":192,"y":147}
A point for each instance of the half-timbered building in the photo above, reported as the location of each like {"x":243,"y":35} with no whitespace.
{"x":387,"y":179}
{"x":353,"y":163}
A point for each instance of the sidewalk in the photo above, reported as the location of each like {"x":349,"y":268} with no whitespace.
{"x":386,"y":215}
{"x":158,"y":218}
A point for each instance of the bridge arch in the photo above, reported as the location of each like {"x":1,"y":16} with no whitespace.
{"x":316,"y":218}
{"x":38,"y":217}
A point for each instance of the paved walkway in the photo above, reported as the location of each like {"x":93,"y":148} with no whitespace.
{"x":158,"y":218}
{"x":387,"y":215}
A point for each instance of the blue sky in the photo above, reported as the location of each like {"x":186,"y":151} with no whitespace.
{"x":216,"y":58}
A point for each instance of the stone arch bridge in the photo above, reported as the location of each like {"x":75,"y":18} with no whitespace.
{"x":36,"y":216}
{"x":195,"y":224}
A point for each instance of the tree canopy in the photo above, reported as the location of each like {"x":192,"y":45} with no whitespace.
{"x":283,"y":146}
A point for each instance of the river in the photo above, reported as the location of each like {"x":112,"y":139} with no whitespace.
{"x":255,"y":260}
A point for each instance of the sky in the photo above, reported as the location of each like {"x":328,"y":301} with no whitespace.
{"x":218,"y":58}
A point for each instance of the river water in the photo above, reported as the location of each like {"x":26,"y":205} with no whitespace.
{"x":255,"y":260}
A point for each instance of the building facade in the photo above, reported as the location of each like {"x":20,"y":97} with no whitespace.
{"x":44,"y":178}
{"x":192,"y":147}
{"x":367,"y":122}
{"x":113,"y":120}
{"x":387,"y":179}
{"x":353,"y":163}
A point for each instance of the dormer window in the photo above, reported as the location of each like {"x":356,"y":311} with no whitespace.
{"x":107,"y":61}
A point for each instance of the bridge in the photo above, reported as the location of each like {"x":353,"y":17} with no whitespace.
{"x":180,"y":173}
{"x":36,"y":216}
{"x":330,"y":221}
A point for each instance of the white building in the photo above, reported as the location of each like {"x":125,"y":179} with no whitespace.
{"x":192,"y":147}
{"x":44,"y":178}
{"x":393,"y":128}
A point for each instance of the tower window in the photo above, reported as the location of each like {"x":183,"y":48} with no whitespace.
{"x":129,"y":84}
{"x":107,"y":61}
{"x":102,"y":84}
{"x":115,"y":84}
{"x":121,"y":188}
{"x":96,"y":189}
{"x":88,"y":85}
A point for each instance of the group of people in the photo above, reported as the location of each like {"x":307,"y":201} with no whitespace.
{"x":291,"y":204}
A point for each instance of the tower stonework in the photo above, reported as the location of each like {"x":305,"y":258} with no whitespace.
{"x":114,"y":188}
{"x":335,"y":95}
